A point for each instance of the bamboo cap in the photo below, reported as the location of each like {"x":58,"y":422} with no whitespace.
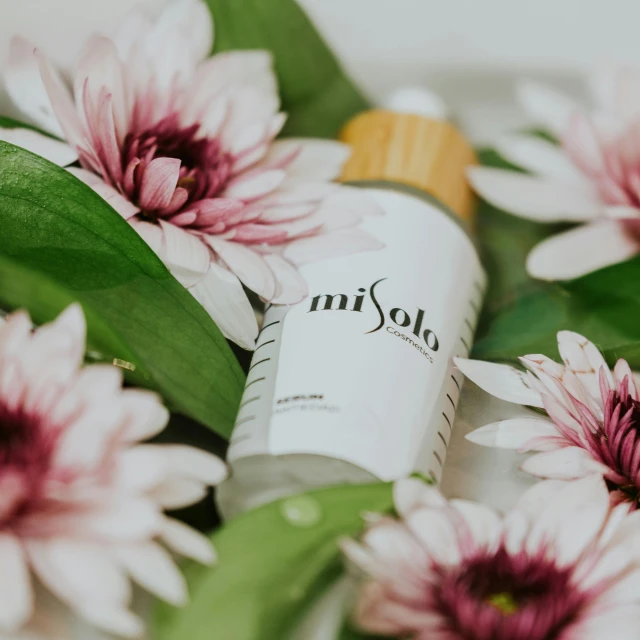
{"x":426,"y":153}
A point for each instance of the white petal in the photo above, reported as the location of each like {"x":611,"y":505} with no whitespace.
{"x":25,"y":87}
{"x":501,"y":381}
{"x":153,"y":569}
{"x":247,"y":264}
{"x":16,"y":597}
{"x":193,"y":463}
{"x":144,"y":413}
{"x":113,"y":197}
{"x":184,"y":254}
{"x":512,"y":434}
{"x":567,"y":463}
{"x":250,"y":187}
{"x":79,"y":573}
{"x":576,"y":252}
{"x":192,"y":19}
{"x":436,"y":534}
{"x":586,"y":362}
{"x":335,"y":244}
{"x":122,"y":519}
{"x":412,"y":493}
{"x":534,"y":198}
{"x":621,"y":623}
{"x":113,"y":619}
{"x":53,"y":150}
{"x":548,"y":107}
{"x":317,"y":159}
{"x":178,"y":493}
{"x":221,"y":294}
{"x":540,"y":157}
{"x":186,"y":541}
{"x":152,"y":234}
{"x":484,"y":524}
{"x":292,"y":287}
{"x":572,"y":519}
{"x":138,"y":469}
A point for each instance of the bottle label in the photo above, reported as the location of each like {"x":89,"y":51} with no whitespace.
{"x":361,"y":370}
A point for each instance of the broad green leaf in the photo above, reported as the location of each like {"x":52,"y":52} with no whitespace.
{"x":54,"y":224}
{"x":315,"y":92}
{"x":270,"y":568}
{"x":45,"y":299}
{"x":603,"y":306}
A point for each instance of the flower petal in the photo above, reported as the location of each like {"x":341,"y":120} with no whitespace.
{"x":513,"y":434}
{"x":79,"y":572}
{"x":184,"y":254}
{"x":567,"y":463}
{"x":49,"y":148}
{"x":310,"y":158}
{"x":586,"y":362}
{"x":61,"y":102}
{"x":153,"y":569}
{"x":501,"y":381}
{"x":533,"y":198}
{"x":546,"y":106}
{"x":247,"y":264}
{"x":540,"y":157}
{"x":224,"y":299}
{"x":16,"y":596}
{"x":342,"y":242}
{"x":292,"y":287}
{"x":188,"y":542}
{"x":158,"y":183}
{"x":122,"y":205}
{"x":584,"y":146}
{"x":576,"y":252}
{"x":193,"y":463}
{"x":255,"y":185}
{"x":25,"y":86}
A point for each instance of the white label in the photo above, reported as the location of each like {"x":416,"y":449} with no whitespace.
{"x":361,"y":370}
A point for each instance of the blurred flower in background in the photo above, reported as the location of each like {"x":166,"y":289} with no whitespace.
{"x":81,"y":500}
{"x":182,"y":146}
{"x":592,"y":176}
{"x":593,"y":415}
{"x":561,"y":564}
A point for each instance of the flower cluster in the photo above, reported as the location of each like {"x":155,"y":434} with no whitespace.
{"x":82,"y":497}
{"x":182,"y":147}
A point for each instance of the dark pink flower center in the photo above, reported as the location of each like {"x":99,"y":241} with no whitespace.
{"x":26,"y":449}
{"x":204,"y":172}
{"x":617,"y":443}
{"x":498,"y":596}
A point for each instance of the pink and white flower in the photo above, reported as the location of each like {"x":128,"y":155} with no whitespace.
{"x":182,"y":146}
{"x":561,"y":565}
{"x":592,"y":177}
{"x":81,"y":498}
{"x":592,"y":420}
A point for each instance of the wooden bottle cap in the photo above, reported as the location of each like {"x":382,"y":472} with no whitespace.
{"x":431,"y":155}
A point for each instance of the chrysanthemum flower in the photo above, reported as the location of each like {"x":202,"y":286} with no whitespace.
{"x":592,"y":177}
{"x":81,"y":499}
{"x":561,"y":565}
{"x":182,"y":146}
{"x":593,"y":415}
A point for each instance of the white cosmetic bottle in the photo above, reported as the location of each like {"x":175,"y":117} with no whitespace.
{"x":356,"y":383}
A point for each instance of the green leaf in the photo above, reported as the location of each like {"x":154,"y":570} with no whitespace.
{"x":269,"y":568}
{"x":349,"y":633}
{"x":54,"y":224}
{"x":315,"y":92}
{"x":604,"y":306}
{"x":523,"y":315}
